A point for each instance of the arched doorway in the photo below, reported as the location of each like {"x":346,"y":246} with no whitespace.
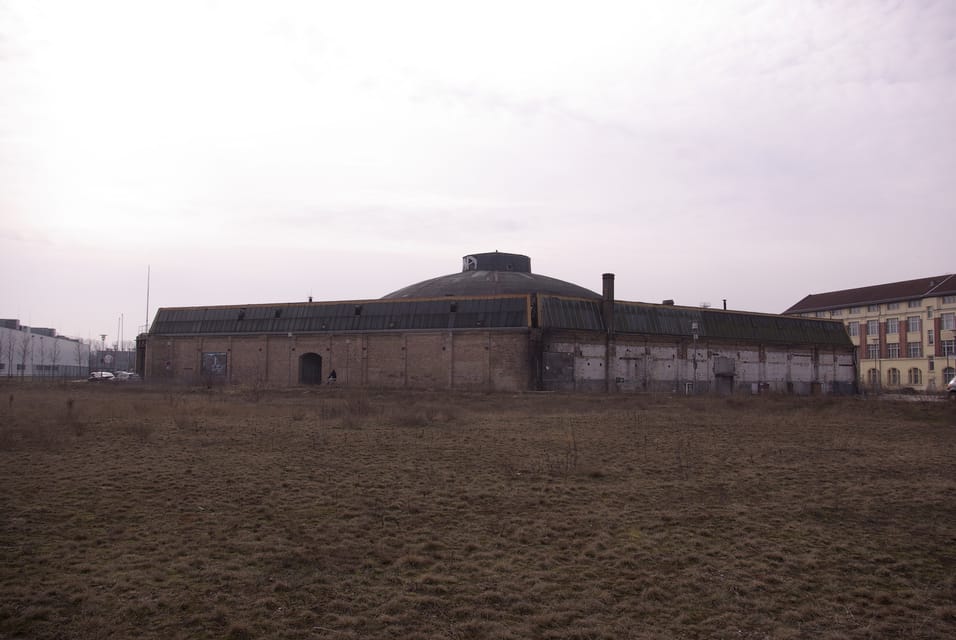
{"x":310,"y":368}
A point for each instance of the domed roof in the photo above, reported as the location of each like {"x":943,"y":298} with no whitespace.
{"x":495,"y":273}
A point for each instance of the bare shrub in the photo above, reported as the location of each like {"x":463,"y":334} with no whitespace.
{"x":358,"y":406}
{"x":140,"y":430}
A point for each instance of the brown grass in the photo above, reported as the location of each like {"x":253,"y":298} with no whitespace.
{"x":131,"y":512}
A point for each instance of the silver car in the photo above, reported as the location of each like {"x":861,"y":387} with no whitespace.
{"x":951,"y":387}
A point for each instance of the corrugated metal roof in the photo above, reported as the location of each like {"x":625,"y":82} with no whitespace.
{"x":633,"y":317}
{"x":365,"y":315}
{"x":570,"y":313}
{"x":665,"y":320}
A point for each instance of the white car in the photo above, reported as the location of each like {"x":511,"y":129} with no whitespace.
{"x":101,"y":376}
{"x":951,"y":387}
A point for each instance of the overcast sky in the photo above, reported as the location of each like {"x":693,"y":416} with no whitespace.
{"x":263,"y":152}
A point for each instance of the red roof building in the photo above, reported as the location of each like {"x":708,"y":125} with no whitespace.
{"x":904,"y":332}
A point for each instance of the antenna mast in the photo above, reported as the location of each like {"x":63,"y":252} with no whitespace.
{"x":147,"y":299}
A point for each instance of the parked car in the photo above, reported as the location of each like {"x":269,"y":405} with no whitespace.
{"x":100,"y":376}
{"x":128,"y":376}
{"x":951,"y":387}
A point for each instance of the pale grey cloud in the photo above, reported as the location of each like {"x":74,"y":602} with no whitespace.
{"x":700,"y":150}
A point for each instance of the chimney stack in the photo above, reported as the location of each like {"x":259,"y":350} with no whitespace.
{"x":608,"y":303}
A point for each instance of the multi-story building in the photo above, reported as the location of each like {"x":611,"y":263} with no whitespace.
{"x":904,"y":332}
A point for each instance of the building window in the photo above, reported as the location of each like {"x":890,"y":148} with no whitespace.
{"x":892,"y":325}
{"x":872,"y":307}
{"x":912,"y":304}
{"x":914,"y":376}
{"x":912,"y":324}
{"x":948,"y":374}
{"x":836,"y":312}
{"x":893,"y":305}
{"x":948,"y":347}
{"x":872,"y":351}
{"x":854,"y":311}
{"x":873,"y":378}
{"x":853,"y":328}
{"x":893,"y":350}
{"x":930,"y":336}
{"x":821,"y":314}
{"x":931,"y":365}
{"x":948,"y":321}
{"x":872,"y":327}
{"x":929,"y":312}
{"x":893,"y":377}
{"x":949,"y":299}
{"x":914,"y":349}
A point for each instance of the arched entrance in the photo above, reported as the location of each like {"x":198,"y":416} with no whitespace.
{"x":310,"y":368}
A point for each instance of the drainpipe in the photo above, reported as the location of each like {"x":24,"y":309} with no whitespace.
{"x":607,"y":310}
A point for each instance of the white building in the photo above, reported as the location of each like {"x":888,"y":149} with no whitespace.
{"x":36,"y":353}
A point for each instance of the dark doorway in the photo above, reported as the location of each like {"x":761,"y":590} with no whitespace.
{"x":310,"y":368}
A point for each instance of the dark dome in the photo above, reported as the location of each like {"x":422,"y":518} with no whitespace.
{"x":495,"y":273}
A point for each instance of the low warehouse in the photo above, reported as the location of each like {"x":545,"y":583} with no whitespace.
{"x":498,"y":326}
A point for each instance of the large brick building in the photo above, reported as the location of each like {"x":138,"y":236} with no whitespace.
{"x":904,"y":332}
{"x":498,"y":326}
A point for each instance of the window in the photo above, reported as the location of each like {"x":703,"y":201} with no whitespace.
{"x":912,"y":304}
{"x":892,"y":325}
{"x":931,"y":365}
{"x":948,"y":347}
{"x":853,"y":328}
{"x":893,"y":350}
{"x":929,"y":312}
{"x":948,"y":374}
{"x":873,"y":378}
{"x":892,"y":305}
{"x":949,"y":300}
{"x":854,"y":311}
{"x":893,"y":377}
{"x":914,"y":376}
{"x":930,"y":336}
{"x":821,"y":314}
{"x":872,"y":351}
{"x":872,"y":307}
{"x":948,"y":321}
{"x":872,"y":327}
{"x":914,"y":349}
{"x":836,"y":312}
{"x":912,"y":323}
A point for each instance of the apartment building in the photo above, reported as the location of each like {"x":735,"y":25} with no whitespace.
{"x":904,"y":332}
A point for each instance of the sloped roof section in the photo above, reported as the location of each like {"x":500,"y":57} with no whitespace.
{"x":679,"y":322}
{"x":881,"y":293}
{"x":363,"y":315}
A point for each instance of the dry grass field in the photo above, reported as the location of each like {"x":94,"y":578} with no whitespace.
{"x":130,"y":512}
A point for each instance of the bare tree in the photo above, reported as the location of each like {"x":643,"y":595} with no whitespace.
{"x":79,"y":357}
{"x":5,"y":338}
{"x":11,"y":345}
{"x":54,"y":354}
{"x":24,"y":351}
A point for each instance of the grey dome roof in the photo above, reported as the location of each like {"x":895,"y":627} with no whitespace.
{"x":492,"y":274}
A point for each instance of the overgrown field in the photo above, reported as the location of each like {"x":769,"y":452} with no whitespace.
{"x":128,"y":512}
